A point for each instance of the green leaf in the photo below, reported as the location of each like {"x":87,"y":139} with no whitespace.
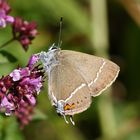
{"x":6,"y":57}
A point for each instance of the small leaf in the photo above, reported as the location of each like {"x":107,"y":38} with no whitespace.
{"x":6,"y":57}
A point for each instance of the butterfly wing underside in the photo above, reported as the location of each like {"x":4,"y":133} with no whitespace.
{"x":99,"y":73}
{"x":65,"y":83}
{"x":78,"y":77}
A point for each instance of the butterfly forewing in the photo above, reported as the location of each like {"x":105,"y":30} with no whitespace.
{"x":99,"y":73}
{"x":106,"y":76}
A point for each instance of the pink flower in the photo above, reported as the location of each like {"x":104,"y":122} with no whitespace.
{"x":7,"y":105}
{"x":25,"y":72}
{"x":19,"y":90}
{"x":15,"y":75}
{"x":4,"y":17}
{"x":34,"y":59}
{"x":31,"y":99}
{"x":24,"y":32}
{"x":4,"y":5}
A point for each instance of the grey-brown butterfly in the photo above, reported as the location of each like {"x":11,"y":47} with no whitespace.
{"x":74,"y":78}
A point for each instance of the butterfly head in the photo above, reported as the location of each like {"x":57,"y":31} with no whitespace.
{"x":60,"y":107}
{"x":49,"y":59}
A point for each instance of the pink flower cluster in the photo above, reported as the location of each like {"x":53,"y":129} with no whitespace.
{"x":23,"y":31}
{"x":4,"y":11}
{"x":19,"y":90}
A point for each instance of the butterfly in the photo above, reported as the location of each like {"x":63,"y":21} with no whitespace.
{"x":74,"y":78}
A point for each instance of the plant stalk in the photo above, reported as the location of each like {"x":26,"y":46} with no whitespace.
{"x":6,"y":43}
{"x":100,"y":43}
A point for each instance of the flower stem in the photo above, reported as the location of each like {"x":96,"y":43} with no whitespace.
{"x":99,"y":39}
{"x":6,"y":43}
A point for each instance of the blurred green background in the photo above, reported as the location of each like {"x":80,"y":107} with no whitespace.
{"x":107,"y":28}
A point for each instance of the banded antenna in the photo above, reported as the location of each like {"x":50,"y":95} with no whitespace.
{"x":60,"y":32}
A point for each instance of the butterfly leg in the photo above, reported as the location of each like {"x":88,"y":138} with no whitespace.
{"x":65,"y":118}
{"x":71,"y":119}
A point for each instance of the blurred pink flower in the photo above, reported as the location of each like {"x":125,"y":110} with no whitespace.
{"x":24,"y":32}
{"x":4,"y":11}
{"x":7,"y":105}
{"x":15,"y":75}
{"x":33,"y":59}
{"x":19,"y":90}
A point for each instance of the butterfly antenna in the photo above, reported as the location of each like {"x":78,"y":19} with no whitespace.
{"x":60,"y":32}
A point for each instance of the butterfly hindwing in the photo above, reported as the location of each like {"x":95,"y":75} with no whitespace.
{"x":66,"y":84}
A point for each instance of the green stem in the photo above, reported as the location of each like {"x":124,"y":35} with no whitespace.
{"x":99,"y":39}
{"x":6,"y":43}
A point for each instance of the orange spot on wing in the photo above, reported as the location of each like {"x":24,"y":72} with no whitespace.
{"x":69,"y":107}
{"x":72,"y":106}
